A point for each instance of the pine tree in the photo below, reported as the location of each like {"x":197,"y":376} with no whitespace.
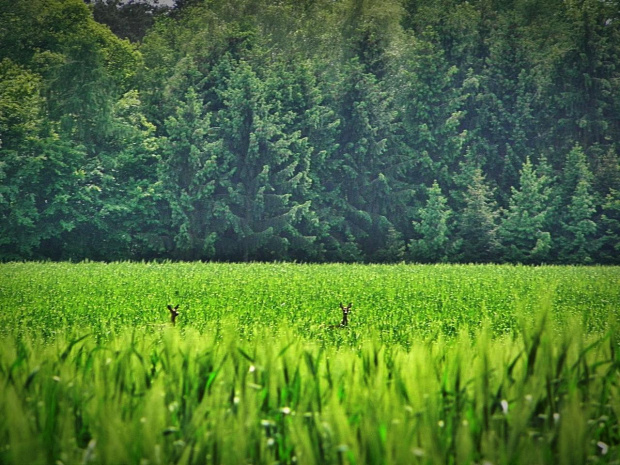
{"x":577,"y":243}
{"x":394,"y":249}
{"x":369,"y":190}
{"x":587,"y":89}
{"x":607,"y":172}
{"x":575,"y":170}
{"x":430,"y":118}
{"x":576,"y":226}
{"x":610,"y":243}
{"x":298,"y":95}
{"x":477,"y":226}
{"x":433,"y":228}
{"x":265,"y":176}
{"x":522,"y":229}
{"x":189,"y":174}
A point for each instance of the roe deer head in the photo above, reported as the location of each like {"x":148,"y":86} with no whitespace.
{"x":173,"y":313}
{"x":345,"y":316}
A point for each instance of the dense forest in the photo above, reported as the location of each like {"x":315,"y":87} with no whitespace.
{"x":311,"y":130}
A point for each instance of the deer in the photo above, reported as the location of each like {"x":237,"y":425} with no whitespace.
{"x":173,"y":313}
{"x":345,"y":316}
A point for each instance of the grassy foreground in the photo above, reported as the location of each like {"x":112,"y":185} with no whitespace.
{"x":440,"y":364}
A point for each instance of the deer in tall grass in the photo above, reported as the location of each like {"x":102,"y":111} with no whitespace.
{"x":345,"y":316}
{"x":173,"y":313}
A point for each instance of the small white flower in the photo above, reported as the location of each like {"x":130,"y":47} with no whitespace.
{"x":504,"y":404}
{"x":604,"y":447}
{"x":285,"y":410}
{"x":252,"y":369}
{"x":441,"y":423}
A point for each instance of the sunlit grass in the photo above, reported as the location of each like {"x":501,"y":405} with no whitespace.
{"x":438,"y":365}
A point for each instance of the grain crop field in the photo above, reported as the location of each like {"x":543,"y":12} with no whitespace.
{"x":438,"y":364}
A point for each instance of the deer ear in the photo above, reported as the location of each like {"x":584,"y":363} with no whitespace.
{"x":170,"y":307}
{"x":341,"y":306}
{"x":177,"y":307}
{"x":350,"y":304}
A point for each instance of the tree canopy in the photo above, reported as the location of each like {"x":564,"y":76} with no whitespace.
{"x":314,"y":130}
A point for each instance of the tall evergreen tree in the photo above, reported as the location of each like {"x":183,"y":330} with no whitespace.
{"x":189,"y":173}
{"x":429,"y":103}
{"x":610,"y":243}
{"x":587,"y":90}
{"x":435,"y":243}
{"x":576,"y":226}
{"x":298,"y":95}
{"x":265,"y":168}
{"x":477,"y":222}
{"x":578,"y":230}
{"x":367,"y":172}
{"x":607,"y":172}
{"x":522,"y":229}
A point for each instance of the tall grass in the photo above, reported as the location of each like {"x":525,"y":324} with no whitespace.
{"x":391,"y":303}
{"x":454,"y":365}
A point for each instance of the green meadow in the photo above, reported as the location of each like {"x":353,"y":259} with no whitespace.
{"x":445,"y":364}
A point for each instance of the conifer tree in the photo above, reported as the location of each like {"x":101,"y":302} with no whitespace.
{"x":430,"y":117}
{"x":369,"y":188}
{"x":189,"y":173}
{"x":522,"y":229}
{"x":265,"y":168}
{"x":298,"y":94}
{"x":394,"y":249}
{"x":433,"y":228}
{"x":610,"y":243}
{"x":576,"y":226}
{"x":578,"y":229}
{"x":477,"y":226}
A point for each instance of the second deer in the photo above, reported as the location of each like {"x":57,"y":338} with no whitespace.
{"x":173,"y":313}
{"x":345,"y":316}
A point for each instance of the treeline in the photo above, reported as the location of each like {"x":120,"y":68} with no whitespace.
{"x":311,"y":130}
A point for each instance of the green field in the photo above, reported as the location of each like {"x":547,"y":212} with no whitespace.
{"x":439,"y":364}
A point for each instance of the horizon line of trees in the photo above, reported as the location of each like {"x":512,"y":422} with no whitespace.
{"x":311,"y":130}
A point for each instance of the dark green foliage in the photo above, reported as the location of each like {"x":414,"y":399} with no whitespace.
{"x":189,"y":174}
{"x":128,"y":20}
{"x":366,"y":169}
{"x":610,"y":250}
{"x":309,"y":130}
{"x":477,"y":225}
{"x":523,"y":230}
{"x":578,"y":228}
{"x":394,"y":249}
{"x":435,"y":243}
{"x":265,"y":167}
{"x":576,"y":218}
